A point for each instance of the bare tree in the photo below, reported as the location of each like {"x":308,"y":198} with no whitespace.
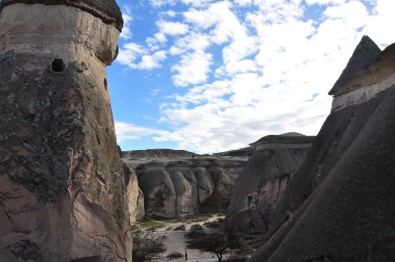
{"x":215,"y":242}
{"x":147,"y":246}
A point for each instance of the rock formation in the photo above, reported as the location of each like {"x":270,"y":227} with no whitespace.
{"x":261,"y":183}
{"x":62,"y":189}
{"x":134,"y":195}
{"x":186,"y":186}
{"x":157,"y":153}
{"x":339,"y":205}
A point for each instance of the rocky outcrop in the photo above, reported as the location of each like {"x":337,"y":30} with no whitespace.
{"x":183,"y":187}
{"x":262,"y":182}
{"x":338,"y":206}
{"x":368,"y":72}
{"x":62,"y":189}
{"x":157,"y":153}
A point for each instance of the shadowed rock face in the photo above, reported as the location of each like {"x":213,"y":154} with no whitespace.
{"x":338,"y":206}
{"x":365,"y":54}
{"x":178,"y":188}
{"x":62,"y":188}
{"x":262,"y":182}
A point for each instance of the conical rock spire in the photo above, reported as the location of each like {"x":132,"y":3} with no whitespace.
{"x":365,"y":54}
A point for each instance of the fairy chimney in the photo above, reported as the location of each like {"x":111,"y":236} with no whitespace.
{"x":62,"y":188}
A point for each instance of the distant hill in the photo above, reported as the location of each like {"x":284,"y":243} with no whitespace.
{"x":157,"y":153}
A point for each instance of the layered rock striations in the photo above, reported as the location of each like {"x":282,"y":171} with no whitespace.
{"x":261,"y":183}
{"x":338,"y":206}
{"x":62,"y":188}
{"x":186,"y":186}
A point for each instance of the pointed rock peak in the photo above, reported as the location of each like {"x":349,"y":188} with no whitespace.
{"x":365,"y":54}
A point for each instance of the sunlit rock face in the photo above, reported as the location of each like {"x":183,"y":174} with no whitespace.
{"x":182,"y":187}
{"x":263,"y":180}
{"x":135,"y":197}
{"x":338,"y":206}
{"x":62,"y":188}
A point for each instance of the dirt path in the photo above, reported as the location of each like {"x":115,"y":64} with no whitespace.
{"x":175,"y":239}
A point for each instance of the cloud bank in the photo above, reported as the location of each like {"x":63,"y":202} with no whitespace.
{"x":247,"y":68}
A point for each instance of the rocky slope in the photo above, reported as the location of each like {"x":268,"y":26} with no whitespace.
{"x":185,"y":186}
{"x":62,"y":189}
{"x":262,"y":182}
{"x":338,"y":206}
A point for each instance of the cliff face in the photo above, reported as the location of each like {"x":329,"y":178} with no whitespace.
{"x":338,"y":206}
{"x":62,"y":189}
{"x":181,"y":187}
{"x":263,"y":180}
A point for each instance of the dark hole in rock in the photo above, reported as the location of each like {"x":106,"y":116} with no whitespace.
{"x":105,"y":84}
{"x":58,"y":65}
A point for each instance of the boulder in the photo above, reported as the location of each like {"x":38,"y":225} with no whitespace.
{"x":338,"y":206}
{"x":62,"y":188}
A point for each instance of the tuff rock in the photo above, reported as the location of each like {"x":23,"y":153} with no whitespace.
{"x":338,"y":206}
{"x":62,"y":188}
{"x":179,"y":187}
{"x":263,"y":180}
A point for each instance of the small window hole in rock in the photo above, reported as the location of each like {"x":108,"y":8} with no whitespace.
{"x":58,"y":65}
{"x":105,"y":84}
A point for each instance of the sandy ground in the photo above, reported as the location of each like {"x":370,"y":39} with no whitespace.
{"x":175,"y":241}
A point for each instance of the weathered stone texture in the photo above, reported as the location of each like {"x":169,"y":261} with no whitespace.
{"x":107,"y":10}
{"x":135,"y":197}
{"x":178,"y":188}
{"x":62,"y":189}
{"x":263,"y":180}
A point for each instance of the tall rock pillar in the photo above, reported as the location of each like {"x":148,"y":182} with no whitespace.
{"x":62,"y":190}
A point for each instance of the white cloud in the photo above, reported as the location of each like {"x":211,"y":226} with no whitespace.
{"x":126,"y":132}
{"x":160,"y":3}
{"x":192,"y":42}
{"x":324,"y":2}
{"x":129,"y":53}
{"x":192,"y":69}
{"x":172,"y":28}
{"x":136,"y":56}
{"x":272,"y":73}
{"x":244,"y":2}
{"x":197,"y":3}
{"x":382,"y":16}
{"x":126,"y":30}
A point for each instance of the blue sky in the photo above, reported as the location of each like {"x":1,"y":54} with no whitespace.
{"x":210,"y":76}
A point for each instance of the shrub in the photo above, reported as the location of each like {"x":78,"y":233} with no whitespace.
{"x":236,"y":258}
{"x":195,"y":234}
{"x":181,"y":227}
{"x":196,"y":227}
{"x":175,"y":255}
{"x":214,"y":224}
{"x":146,"y":246}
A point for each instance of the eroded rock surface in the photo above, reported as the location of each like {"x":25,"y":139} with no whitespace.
{"x":186,"y":186}
{"x":62,"y":188}
{"x":263,"y":180}
{"x":338,"y":206}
